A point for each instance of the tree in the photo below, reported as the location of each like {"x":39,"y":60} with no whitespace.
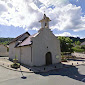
{"x":65,"y":44}
{"x":78,"y":42}
{"x":62,"y":43}
{"x":5,"y":41}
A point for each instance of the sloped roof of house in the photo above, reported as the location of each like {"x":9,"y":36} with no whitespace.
{"x":15,"y":39}
{"x":83,"y":43}
{"x":28,"y":41}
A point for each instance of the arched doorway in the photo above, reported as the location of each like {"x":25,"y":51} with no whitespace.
{"x":48,"y":58}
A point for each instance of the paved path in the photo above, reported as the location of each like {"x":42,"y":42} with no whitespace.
{"x":6,"y":74}
{"x":4,"y":61}
{"x":66,"y":76}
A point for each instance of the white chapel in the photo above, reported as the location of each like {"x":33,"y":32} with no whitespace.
{"x":42,"y":48}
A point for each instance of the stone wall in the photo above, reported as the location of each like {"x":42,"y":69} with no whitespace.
{"x":80,"y":55}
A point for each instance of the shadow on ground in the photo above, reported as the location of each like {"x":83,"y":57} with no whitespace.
{"x":66,"y":70}
{"x":77,"y":59}
{"x":71,"y":72}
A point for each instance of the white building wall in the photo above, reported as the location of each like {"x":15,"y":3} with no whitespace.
{"x":43,"y":24}
{"x":17,"y":53}
{"x":12,"y":50}
{"x":25,"y":55}
{"x":40,"y":43}
{"x":3,"y":50}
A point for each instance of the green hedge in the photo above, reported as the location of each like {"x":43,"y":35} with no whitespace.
{"x":78,"y":49}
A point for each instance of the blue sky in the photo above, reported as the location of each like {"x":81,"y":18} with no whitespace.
{"x":17,"y":17}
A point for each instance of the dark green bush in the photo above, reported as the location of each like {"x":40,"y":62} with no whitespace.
{"x":83,"y":47}
{"x":78,"y":49}
{"x":15,"y":65}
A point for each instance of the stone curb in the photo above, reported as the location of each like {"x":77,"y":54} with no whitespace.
{"x":16,"y":69}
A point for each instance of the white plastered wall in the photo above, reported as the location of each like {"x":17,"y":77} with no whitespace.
{"x":40,"y":43}
{"x":12,"y":50}
{"x":25,"y":55}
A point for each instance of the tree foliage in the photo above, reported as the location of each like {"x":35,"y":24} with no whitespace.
{"x":77,"y":42}
{"x":79,"y":48}
{"x":65,"y":44}
{"x":5,"y":41}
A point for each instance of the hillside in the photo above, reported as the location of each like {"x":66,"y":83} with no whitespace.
{"x":5,"y":41}
{"x":77,"y":39}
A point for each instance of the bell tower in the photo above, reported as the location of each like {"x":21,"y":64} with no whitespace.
{"x":45,"y":22}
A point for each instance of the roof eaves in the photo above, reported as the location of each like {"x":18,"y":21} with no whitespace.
{"x":23,"y":45}
{"x":15,"y":39}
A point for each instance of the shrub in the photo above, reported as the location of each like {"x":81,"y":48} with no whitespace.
{"x":15,"y":60}
{"x":64,"y":60}
{"x":15,"y":65}
{"x":83,"y":47}
{"x":78,"y":49}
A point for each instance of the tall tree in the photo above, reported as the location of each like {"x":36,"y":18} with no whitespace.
{"x":66,"y":44}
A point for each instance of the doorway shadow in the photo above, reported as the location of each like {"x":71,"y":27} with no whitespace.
{"x":48,"y":57}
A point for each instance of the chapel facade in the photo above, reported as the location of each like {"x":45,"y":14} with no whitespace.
{"x":42,"y":48}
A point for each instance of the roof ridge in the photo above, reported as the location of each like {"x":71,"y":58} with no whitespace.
{"x":15,"y":39}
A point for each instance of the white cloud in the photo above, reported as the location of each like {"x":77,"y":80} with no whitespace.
{"x":2,"y":8}
{"x":66,"y":34}
{"x":68,"y":17}
{"x":27,"y":13}
{"x":77,"y":0}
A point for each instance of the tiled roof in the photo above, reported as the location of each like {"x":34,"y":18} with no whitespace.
{"x":28,"y":41}
{"x":83,"y":43}
{"x":15,"y":39}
